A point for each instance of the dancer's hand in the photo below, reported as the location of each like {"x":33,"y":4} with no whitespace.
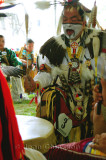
{"x":96,"y":95}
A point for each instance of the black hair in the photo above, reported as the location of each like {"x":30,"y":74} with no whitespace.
{"x":1,"y":36}
{"x":30,"y":41}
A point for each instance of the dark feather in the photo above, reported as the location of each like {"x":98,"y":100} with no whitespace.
{"x":12,"y":71}
{"x":53,"y":51}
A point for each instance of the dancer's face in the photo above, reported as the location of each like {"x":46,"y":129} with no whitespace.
{"x":72,"y":23}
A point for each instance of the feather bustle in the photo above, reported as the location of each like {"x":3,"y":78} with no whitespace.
{"x":53,"y":51}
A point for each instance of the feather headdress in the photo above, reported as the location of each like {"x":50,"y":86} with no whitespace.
{"x":73,"y":3}
{"x":46,"y":4}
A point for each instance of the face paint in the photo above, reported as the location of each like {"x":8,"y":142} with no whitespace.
{"x":72,"y":22}
{"x":72,"y":30}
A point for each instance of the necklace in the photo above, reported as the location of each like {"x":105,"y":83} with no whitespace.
{"x":73,"y":74}
{"x":74,"y":54}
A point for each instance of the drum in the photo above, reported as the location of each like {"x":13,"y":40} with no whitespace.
{"x":37,"y":133}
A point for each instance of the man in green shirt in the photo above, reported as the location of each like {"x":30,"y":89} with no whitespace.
{"x":7,"y":56}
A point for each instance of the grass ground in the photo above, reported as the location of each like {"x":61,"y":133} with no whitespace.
{"x":24,"y":108}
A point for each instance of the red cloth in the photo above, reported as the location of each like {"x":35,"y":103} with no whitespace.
{"x":66,"y":110}
{"x":103,"y":50}
{"x":1,"y":1}
{"x":76,"y":146}
{"x":71,"y":151}
{"x":17,"y":147}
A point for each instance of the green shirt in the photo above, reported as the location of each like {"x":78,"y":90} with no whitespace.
{"x":13,"y":60}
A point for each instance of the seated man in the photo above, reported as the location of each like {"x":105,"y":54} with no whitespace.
{"x":7,"y":56}
{"x":11,"y":145}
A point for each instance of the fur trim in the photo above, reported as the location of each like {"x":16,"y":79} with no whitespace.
{"x":56,"y":71}
{"x":86,"y":74}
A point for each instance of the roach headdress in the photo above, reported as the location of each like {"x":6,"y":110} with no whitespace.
{"x":84,"y":11}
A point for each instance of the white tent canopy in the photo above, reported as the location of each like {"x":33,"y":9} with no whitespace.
{"x":42,"y":23}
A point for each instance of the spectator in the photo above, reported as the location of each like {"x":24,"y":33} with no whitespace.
{"x":8,"y":56}
{"x":28,"y":52}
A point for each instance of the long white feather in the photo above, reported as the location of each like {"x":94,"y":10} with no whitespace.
{"x":42,"y":4}
{"x":26,"y":28}
{"x":96,"y":46}
{"x":59,"y":25}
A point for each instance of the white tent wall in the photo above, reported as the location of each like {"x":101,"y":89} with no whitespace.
{"x":42,"y":23}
